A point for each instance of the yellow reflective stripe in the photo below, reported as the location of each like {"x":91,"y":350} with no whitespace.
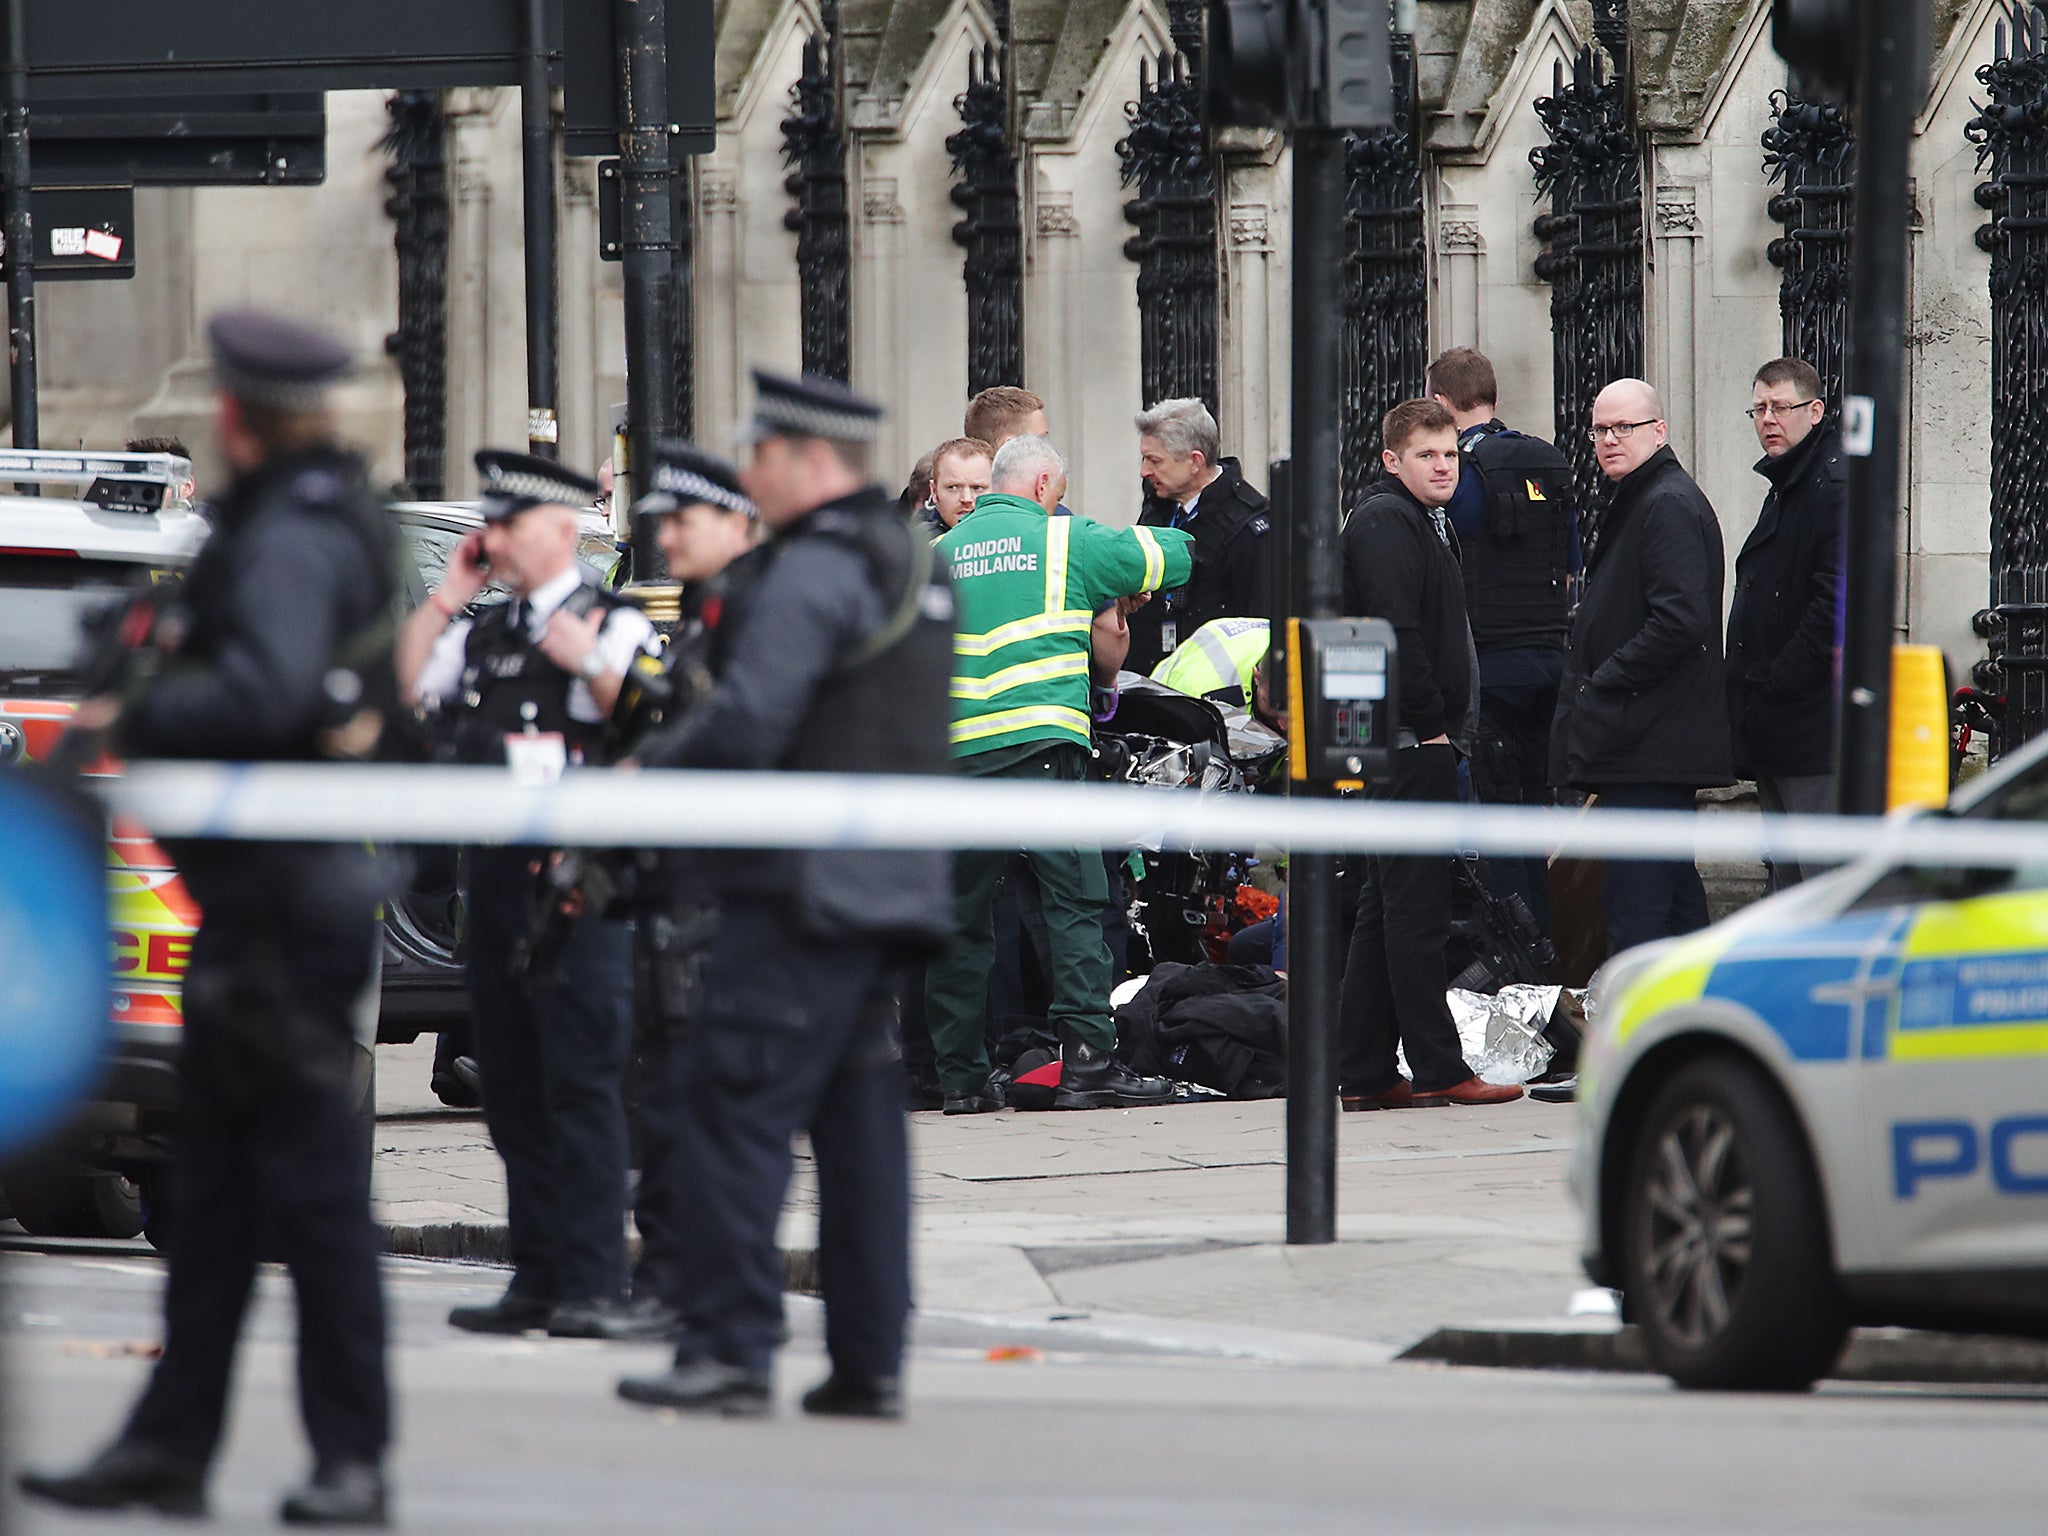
{"x":2009,"y":921}
{"x":1047,"y":668}
{"x":1004,"y":721}
{"x":1155,"y":559}
{"x":1059,"y":532}
{"x":1066,"y":621}
{"x":1967,"y":1042}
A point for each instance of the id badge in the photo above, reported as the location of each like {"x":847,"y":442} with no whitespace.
{"x":1169,"y":635}
{"x":536,"y":757}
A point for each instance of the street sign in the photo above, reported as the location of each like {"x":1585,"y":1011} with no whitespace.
{"x":83,"y":233}
{"x":277,"y":140}
{"x":117,"y":48}
{"x":590,"y":78}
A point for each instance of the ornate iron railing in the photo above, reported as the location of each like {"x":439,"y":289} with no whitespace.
{"x":2011,"y":135}
{"x":1386,"y":280}
{"x":991,"y":232}
{"x":1591,"y":168}
{"x":683,"y":298}
{"x":1810,"y":153}
{"x":1166,"y":157}
{"x":815,"y":150}
{"x":418,"y":206}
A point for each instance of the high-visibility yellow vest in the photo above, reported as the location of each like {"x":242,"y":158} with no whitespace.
{"x":1222,"y":656}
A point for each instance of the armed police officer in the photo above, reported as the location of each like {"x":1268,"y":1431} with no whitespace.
{"x":529,"y":683}
{"x":703,"y":522}
{"x":834,"y":653}
{"x":287,"y":657}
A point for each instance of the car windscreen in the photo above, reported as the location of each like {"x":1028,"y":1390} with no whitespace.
{"x":45,"y":602}
{"x":432,"y":546}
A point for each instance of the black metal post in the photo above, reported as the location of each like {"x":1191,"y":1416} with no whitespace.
{"x":1315,"y":934}
{"x":1889,"y":80}
{"x":537,"y":156}
{"x":649,"y":254}
{"x":21,"y":242}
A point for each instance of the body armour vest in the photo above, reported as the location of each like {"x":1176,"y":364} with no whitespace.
{"x":886,"y":706}
{"x":1518,"y":561}
{"x":504,"y":673}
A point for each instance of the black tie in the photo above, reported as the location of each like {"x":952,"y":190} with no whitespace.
{"x":520,"y":618}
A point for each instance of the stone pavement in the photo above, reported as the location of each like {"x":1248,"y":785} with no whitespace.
{"x":1172,"y":1215}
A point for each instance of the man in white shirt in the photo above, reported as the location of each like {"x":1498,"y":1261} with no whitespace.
{"x":529,"y":683}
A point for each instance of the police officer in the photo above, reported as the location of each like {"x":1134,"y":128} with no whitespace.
{"x":1188,"y":484}
{"x":703,"y":522}
{"x":1515,"y":512}
{"x":1022,"y":712}
{"x":529,"y":684}
{"x":834,"y":653}
{"x":287,"y":653}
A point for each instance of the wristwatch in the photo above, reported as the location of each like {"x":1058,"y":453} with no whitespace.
{"x":591,"y":668}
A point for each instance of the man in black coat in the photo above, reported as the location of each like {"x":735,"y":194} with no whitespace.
{"x":1640,"y":716}
{"x":1401,"y":565}
{"x":1188,"y":484}
{"x":1783,"y":621}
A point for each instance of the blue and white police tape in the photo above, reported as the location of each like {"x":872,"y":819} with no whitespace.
{"x":595,"y":808}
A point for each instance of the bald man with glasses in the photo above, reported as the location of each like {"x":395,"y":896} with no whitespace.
{"x":1641,"y":719}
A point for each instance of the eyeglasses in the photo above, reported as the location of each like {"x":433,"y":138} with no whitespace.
{"x":1619,"y":430}
{"x":1778,"y":412}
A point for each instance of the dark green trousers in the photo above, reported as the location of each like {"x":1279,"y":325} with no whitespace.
{"x":1073,"y":888}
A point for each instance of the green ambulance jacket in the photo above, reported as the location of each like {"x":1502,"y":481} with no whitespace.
{"x":1027,"y":587}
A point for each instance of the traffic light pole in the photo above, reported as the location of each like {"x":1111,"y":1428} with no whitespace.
{"x":1315,"y":930}
{"x":1890,"y":78}
{"x":537,"y":154}
{"x":648,"y":259}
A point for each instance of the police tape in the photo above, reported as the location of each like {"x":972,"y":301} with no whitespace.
{"x":594,"y":808}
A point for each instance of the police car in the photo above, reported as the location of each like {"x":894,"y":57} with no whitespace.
{"x":1829,"y":1110}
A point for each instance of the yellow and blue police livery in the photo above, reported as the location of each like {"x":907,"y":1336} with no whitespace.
{"x":1829,"y":1110}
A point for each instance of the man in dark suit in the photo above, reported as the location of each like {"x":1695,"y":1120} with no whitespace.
{"x":1783,"y":622}
{"x":1640,"y":720}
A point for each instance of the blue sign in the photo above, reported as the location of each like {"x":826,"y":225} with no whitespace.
{"x":53,"y":956}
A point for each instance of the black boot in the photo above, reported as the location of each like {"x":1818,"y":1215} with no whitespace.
{"x":853,"y":1397}
{"x":126,"y":1474}
{"x":340,"y":1493}
{"x":640,"y":1320}
{"x":985,"y":1100}
{"x":510,"y":1313}
{"x":1092,"y":1079}
{"x":703,"y":1386}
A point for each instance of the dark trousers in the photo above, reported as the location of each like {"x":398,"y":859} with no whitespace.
{"x":658,"y":1203}
{"x":1512,"y":767}
{"x":1394,"y":982}
{"x":552,"y":1057}
{"x":271,"y":1167}
{"x":797,"y":1035}
{"x":1645,"y":899}
{"x":1073,"y":886}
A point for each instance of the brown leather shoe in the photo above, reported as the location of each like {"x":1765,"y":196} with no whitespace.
{"x":1471,"y":1091}
{"x":1400,"y":1096}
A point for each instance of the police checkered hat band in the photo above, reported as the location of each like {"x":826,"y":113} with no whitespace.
{"x":513,"y":482}
{"x":686,"y":486}
{"x":812,"y":407}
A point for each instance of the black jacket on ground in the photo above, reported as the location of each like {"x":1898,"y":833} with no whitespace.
{"x":1232,"y":533}
{"x":1642,"y":699}
{"x":1398,"y":568}
{"x":1782,"y":620}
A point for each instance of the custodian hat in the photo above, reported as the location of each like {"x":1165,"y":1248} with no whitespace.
{"x":811,"y":407}
{"x":512,"y":482}
{"x":267,"y":359}
{"x":684,"y":474}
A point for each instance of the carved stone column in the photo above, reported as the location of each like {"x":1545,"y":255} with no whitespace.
{"x":1460,"y":253}
{"x":815,"y":150}
{"x":1166,"y":157}
{"x":1676,"y":221}
{"x":718,"y":247}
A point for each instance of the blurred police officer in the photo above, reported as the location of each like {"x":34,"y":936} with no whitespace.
{"x":703,"y":522}
{"x":834,"y":654}
{"x":529,"y":683}
{"x":288,"y":646}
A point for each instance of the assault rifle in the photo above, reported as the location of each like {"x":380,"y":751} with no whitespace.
{"x":124,"y":644}
{"x":1509,"y":945}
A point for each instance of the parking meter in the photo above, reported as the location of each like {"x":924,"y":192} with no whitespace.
{"x":1342,"y":701}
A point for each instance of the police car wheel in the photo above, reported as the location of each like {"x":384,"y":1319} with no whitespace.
{"x":1726,"y":1250}
{"x":50,"y":1200}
